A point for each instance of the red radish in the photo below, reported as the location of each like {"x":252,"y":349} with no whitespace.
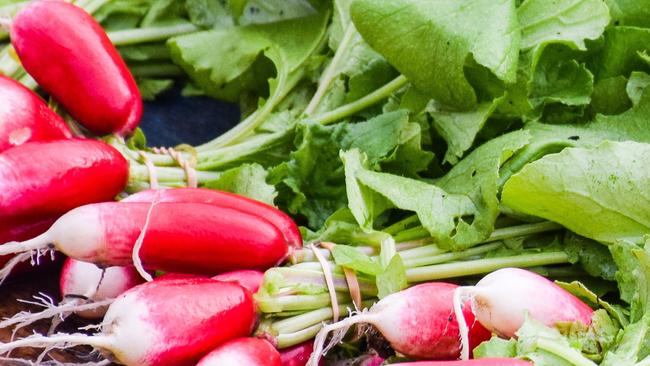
{"x":25,"y":117}
{"x":243,"y":351}
{"x":172,"y":323}
{"x":418,"y":322}
{"x":501,"y":300}
{"x":297,"y":355}
{"x":247,"y":278}
{"x":71,"y":58}
{"x":480,"y":362}
{"x":85,"y":290}
{"x":42,"y":179}
{"x":224,"y":199}
{"x":11,"y":230}
{"x":179,"y":237}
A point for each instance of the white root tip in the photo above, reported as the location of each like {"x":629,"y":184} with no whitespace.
{"x":135,"y":255}
{"x":339,"y":329}
{"x":460,"y":294}
{"x":59,"y":340}
{"x":12,"y":263}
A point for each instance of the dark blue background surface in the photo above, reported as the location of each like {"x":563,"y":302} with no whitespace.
{"x":173,"y":119}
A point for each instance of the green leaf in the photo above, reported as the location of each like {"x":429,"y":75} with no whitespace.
{"x":594,"y":258}
{"x":393,"y":278}
{"x":208,"y":13}
{"x":633,"y":344}
{"x":610,"y":97}
{"x":599,"y":193}
{"x":637,"y":85}
{"x":570,"y":21}
{"x":619,"y":55}
{"x":580,"y":290}
{"x":247,"y":180}
{"x":150,"y":88}
{"x":269,"y":11}
{"x":496,"y":348}
{"x":630,"y":12}
{"x":429,"y":42}
{"x":352,"y":258}
{"x":459,"y":129}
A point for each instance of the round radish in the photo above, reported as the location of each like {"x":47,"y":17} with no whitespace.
{"x":224,"y":199}
{"x":25,"y":117}
{"x":418,"y":322}
{"x":243,"y":351}
{"x":172,"y":322}
{"x":502,"y":299}
{"x":43,"y":179}
{"x":84,"y":282}
{"x":178,"y":237}
{"x":70,"y":56}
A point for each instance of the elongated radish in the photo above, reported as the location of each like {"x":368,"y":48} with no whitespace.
{"x":480,"y":362}
{"x":297,"y":355}
{"x":70,"y":56}
{"x":25,"y":117}
{"x":243,"y":351}
{"x":86,"y":290}
{"x":42,"y":179}
{"x":418,"y":322}
{"x":224,"y":199}
{"x":247,"y":278}
{"x":172,"y":322}
{"x":180,"y":237}
{"x":502,"y":299}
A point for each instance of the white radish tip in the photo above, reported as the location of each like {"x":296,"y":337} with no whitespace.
{"x":460,"y":294}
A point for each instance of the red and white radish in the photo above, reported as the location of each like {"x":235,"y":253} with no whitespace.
{"x":179,"y":237}
{"x":45,"y":179}
{"x":70,"y":56}
{"x":479,"y":362}
{"x":225,"y":199}
{"x":24,"y":117}
{"x":418,"y":322}
{"x":86,"y":290}
{"x":501,"y":300}
{"x":171,"y":322}
{"x":243,"y":351}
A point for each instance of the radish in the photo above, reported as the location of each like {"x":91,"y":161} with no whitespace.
{"x":179,"y":237}
{"x":224,"y":199}
{"x":246,"y":278}
{"x":25,"y":117}
{"x":243,"y":351}
{"x":70,"y":56}
{"x":297,"y":355}
{"x":85,"y":289}
{"x":418,"y":322}
{"x":43,"y":179}
{"x":172,"y":323}
{"x":12,"y":230}
{"x":501,"y":300}
{"x":480,"y":362}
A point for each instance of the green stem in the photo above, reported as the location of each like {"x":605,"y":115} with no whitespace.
{"x":566,"y":353}
{"x":300,"y":322}
{"x":480,"y":266}
{"x":92,"y":6}
{"x":402,"y":225}
{"x":150,"y":34}
{"x":509,"y":232}
{"x":451,"y":256}
{"x":363,"y":103}
{"x":164,"y":69}
{"x":170,"y":175}
{"x":288,"y":340}
{"x":296,"y":302}
{"x":331,"y":71}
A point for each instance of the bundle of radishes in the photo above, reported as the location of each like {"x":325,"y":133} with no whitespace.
{"x":58,"y":192}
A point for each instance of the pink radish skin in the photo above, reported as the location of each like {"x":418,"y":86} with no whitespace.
{"x":297,"y":355}
{"x":243,"y":351}
{"x":502,"y":299}
{"x":480,"y":362}
{"x":180,"y":237}
{"x":418,"y":322}
{"x":282,"y":221}
{"x":171,"y":323}
{"x":86,"y":281}
{"x":247,"y":278}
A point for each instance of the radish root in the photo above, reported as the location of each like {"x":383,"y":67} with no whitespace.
{"x":460,"y":294}
{"x":12,"y":263}
{"x":59,"y":340}
{"x":135,"y":255}
{"x":339,"y":329}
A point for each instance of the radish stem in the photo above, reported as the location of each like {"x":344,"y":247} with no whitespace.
{"x":151,"y":34}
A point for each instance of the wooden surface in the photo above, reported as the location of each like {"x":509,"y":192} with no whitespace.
{"x":25,"y":287}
